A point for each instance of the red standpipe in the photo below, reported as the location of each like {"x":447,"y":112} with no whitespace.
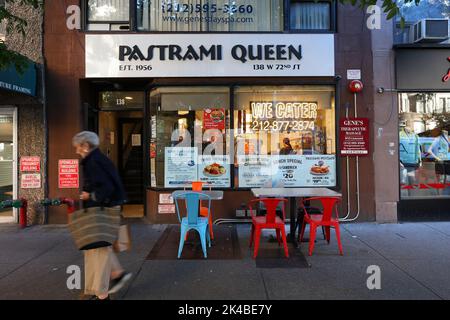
{"x":23,"y":213}
{"x":70,"y":204}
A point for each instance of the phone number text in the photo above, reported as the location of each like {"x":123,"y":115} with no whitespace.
{"x":205,"y":8}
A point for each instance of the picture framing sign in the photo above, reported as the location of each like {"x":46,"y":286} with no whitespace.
{"x":200,"y":55}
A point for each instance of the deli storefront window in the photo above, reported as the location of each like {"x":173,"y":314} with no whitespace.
{"x":188,"y":138}
{"x":269,"y":136}
{"x":424,"y":123}
{"x":206,"y":16}
{"x":284,"y":136}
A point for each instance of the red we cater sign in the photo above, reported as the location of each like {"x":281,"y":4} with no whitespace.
{"x":68,"y":173}
{"x":30,"y":164}
{"x":354,"y":137}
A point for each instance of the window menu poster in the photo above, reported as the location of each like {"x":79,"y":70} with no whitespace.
{"x":304,"y":171}
{"x":288,"y":171}
{"x":214,"y":170}
{"x":255,"y":171}
{"x":319,"y":170}
{"x":180,"y":167}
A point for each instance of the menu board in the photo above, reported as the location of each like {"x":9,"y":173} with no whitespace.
{"x":214,"y":170}
{"x":180,"y":166}
{"x":320,"y":170}
{"x":255,"y":171}
{"x":287,"y":171}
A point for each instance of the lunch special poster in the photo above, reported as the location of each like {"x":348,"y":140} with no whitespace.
{"x":214,"y":170}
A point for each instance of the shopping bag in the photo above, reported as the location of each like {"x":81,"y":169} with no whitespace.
{"x":123,"y":242}
{"x":95,"y":227}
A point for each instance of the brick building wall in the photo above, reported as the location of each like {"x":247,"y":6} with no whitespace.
{"x":31,"y":125}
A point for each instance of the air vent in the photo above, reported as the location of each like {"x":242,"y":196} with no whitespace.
{"x":430,"y":30}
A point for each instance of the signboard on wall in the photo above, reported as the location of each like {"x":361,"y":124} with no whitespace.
{"x":30,"y":181}
{"x":201,"y":55}
{"x":30,"y":164}
{"x":354,"y":136}
{"x":68,"y":173}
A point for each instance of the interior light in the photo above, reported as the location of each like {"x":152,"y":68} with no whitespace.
{"x":129,"y":98}
{"x":182,"y":113}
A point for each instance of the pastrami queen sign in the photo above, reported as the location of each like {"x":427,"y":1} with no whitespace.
{"x":218,"y":55}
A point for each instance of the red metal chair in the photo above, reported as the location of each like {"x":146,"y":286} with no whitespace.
{"x":325,"y":219}
{"x":269,"y":221}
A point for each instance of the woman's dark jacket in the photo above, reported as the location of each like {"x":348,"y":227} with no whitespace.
{"x":101,"y":180}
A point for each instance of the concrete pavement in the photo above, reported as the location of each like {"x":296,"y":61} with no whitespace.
{"x":414,"y":259}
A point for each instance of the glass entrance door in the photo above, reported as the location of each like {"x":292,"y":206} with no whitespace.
{"x":7,"y":162}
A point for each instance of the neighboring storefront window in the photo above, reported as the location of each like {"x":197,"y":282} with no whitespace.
{"x":280,"y":136}
{"x":424,"y":122}
{"x":188,"y":139}
{"x":214,"y":16}
{"x":310,"y":15}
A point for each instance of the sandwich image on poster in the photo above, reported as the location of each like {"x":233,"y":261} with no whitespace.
{"x":214,"y":170}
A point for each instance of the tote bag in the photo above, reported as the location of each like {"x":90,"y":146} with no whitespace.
{"x":95,"y":227}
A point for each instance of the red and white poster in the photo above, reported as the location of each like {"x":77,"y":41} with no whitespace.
{"x":30,"y":181}
{"x":214,"y":119}
{"x":354,"y":136}
{"x":68,"y":173}
{"x":30,"y":164}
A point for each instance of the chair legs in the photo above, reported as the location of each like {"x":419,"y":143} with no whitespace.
{"x":183,"y":234}
{"x":312,"y":238}
{"x":204,"y":239}
{"x":257,"y":238}
{"x":338,"y":236}
{"x":327,"y":233}
{"x":283,"y":235}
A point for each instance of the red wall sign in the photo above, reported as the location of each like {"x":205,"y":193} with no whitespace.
{"x":30,"y":164}
{"x":354,"y":136}
{"x":68,"y":173}
{"x":214,"y":119}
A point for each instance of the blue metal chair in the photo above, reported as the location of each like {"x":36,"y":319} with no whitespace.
{"x":192,"y":220}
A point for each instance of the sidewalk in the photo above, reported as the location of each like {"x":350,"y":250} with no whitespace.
{"x":414,"y":259}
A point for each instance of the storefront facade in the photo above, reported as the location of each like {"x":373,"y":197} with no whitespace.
{"x":423,"y":83}
{"x":237,"y":96}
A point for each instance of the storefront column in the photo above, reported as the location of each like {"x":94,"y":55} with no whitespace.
{"x":385,"y":125}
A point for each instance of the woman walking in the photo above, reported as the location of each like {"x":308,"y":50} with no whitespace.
{"x":101,"y":188}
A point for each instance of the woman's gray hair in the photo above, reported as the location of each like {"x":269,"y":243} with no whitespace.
{"x":89,"y":137}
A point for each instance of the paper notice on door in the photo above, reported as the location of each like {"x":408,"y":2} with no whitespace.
{"x":136,"y":140}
